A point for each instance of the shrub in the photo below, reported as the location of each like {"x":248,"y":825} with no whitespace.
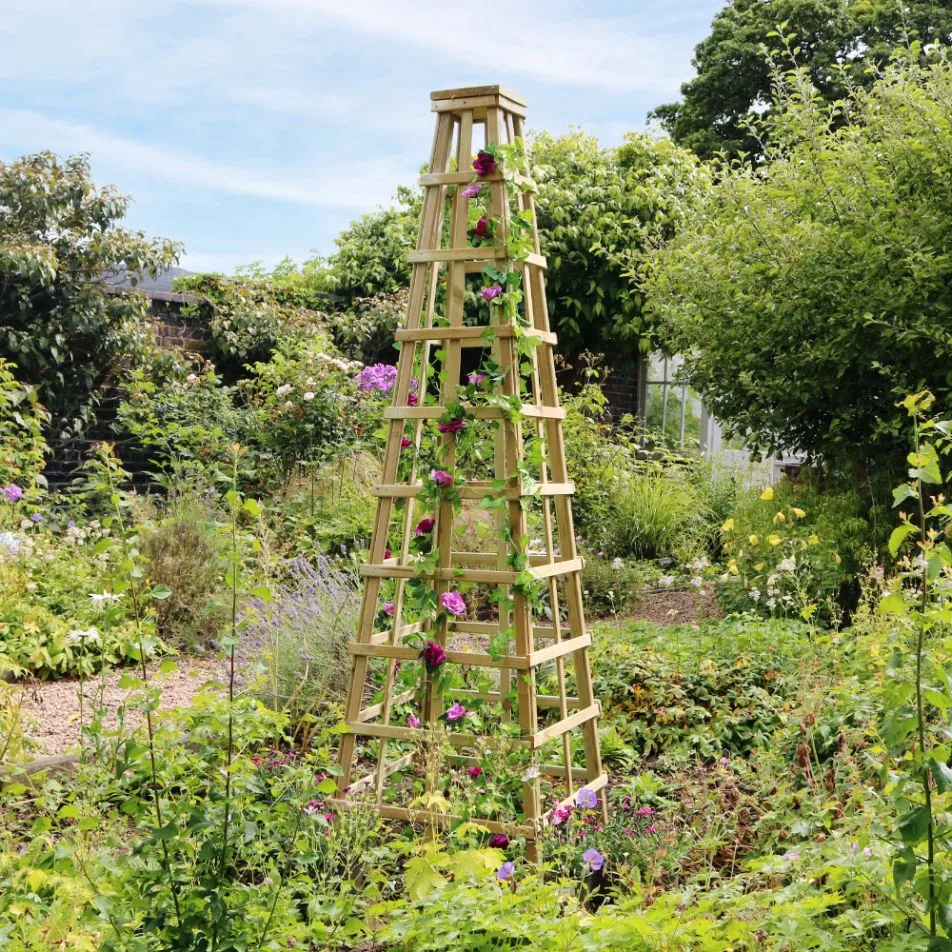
{"x":795,"y":552}
{"x":614,"y":586}
{"x":301,"y":637}
{"x":185,"y":552}
{"x":22,"y":418}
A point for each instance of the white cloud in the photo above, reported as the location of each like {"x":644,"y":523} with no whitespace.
{"x":360,"y":184}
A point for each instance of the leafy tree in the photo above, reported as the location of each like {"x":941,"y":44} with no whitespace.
{"x":59,"y":238}
{"x":811,"y":295}
{"x":247,"y":318}
{"x":597,"y":208}
{"x":836,"y":41}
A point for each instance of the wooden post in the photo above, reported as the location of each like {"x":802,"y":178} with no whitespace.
{"x":438,"y":330}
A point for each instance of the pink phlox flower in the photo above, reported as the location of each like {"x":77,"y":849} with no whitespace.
{"x":644,"y":811}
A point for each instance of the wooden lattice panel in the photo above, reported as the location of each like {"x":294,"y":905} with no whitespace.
{"x":537,"y":630}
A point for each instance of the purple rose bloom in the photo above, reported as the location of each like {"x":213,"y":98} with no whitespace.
{"x":425,"y":525}
{"x":482,"y":227}
{"x":388,"y":608}
{"x":506,"y":871}
{"x":433,"y":655}
{"x":12,"y":493}
{"x":586,"y":799}
{"x":499,"y":841}
{"x":484,"y":164}
{"x":471,"y":191}
{"x":476,"y":379}
{"x":411,"y":399}
{"x":491,"y":293}
{"x":405,"y":441}
{"x":454,"y":426}
{"x":594,"y":859}
{"x":413,"y":720}
{"x":441,"y":477}
{"x":454,"y":603}
{"x":456,"y":712}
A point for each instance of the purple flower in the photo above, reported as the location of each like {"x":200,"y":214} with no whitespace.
{"x":425,"y":526}
{"x":380,"y":377}
{"x":441,"y":477}
{"x":791,"y":855}
{"x":433,"y":655}
{"x":12,"y":493}
{"x":506,"y":871}
{"x":454,"y":426}
{"x":411,"y":399}
{"x":476,"y":379}
{"x":644,"y":811}
{"x":36,"y":517}
{"x":471,"y":191}
{"x":405,"y":441}
{"x":499,"y":841}
{"x":482,"y":227}
{"x":71,"y":524}
{"x":388,"y":608}
{"x":594,"y":859}
{"x":475,"y":772}
{"x":491,"y":293}
{"x":456,"y":712}
{"x":484,"y":164}
{"x":413,"y":720}
{"x":586,"y":799}
{"x":454,"y":603}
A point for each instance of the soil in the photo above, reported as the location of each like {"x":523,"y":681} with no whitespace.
{"x":676,"y":608}
{"x":50,"y":709}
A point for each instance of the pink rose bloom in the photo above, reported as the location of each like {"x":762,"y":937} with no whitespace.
{"x":388,"y":608}
{"x":433,"y":655}
{"x":453,"y":602}
{"x":471,"y":191}
{"x":491,"y":293}
{"x":425,"y":525}
{"x":476,"y":379}
{"x":475,"y":772}
{"x":405,"y":441}
{"x":482,"y":227}
{"x":454,"y":426}
{"x":411,"y":399}
{"x":484,"y":164}
{"x":387,"y":553}
{"x":456,"y":712}
{"x":441,"y":477}
{"x":413,"y":720}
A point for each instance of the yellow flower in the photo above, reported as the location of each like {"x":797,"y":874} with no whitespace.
{"x":836,"y":556}
{"x":780,"y":517}
{"x":773,"y":539}
{"x":759,"y":567}
{"x":767,"y":494}
{"x":752,"y":539}
{"x":728,"y":526}
{"x":799,"y":513}
{"x":814,"y":539}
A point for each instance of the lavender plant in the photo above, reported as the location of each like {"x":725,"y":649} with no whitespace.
{"x":300,"y":636}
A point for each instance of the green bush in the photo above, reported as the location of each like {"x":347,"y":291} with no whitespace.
{"x":185,"y":551}
{"x":795,"y":551}
{"x":614,"y":586}
{"x":22,"y":446}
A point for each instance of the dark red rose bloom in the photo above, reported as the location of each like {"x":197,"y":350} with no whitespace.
{"x":425,"y":525}
{"x":433,"y":655}
{"x":482,"y":227}
{"x":484,"y":164}
{"x":499,"y":841}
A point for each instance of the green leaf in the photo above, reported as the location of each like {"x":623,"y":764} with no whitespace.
{"x":914,"y":825}
{"x":904,"y":867}
{"x":160,"y":592}
{"x":941,"y":774}
{"x":893,"y":604}
{"x":899,"y":535}
{"x":327,"y":786}
{"x":904,"y":492}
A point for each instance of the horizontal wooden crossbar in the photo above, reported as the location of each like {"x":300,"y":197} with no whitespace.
{"x":478,"y":105}
{"x":368,"y":780}
{"x":468,"y":92}
{"x":550,"y":770}
{"x":485,"y":253}
{"x":565,"y":725}
{"x":478,"y":489}
{"x":530,"y":410}
{"x":439,"y":819}
{"x":478,"y":332}
{"x":542,"y":700}
{"x":476,"y":575}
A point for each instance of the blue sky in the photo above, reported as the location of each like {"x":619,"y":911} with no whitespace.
{"x":255,"y":129}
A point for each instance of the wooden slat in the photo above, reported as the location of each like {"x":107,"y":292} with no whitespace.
{"x":564,"y":567}
{"x":375,"y":710}
{"x":573,"y":720}
{"x":478,"y":489}
{"x":389,"y":769}
{"x":528,"y":410}
{"x":478,"y":104}
{"x":439,"y":334}
{"x":468,"y":92}
{"x":486,"y":253}
{"x":446,"y":574}
{"x":424,"y":817}
{"x":559,"y":650}
{"x":472,"y":658}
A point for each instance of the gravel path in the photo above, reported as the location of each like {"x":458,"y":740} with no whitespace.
{"x":50,"y":709}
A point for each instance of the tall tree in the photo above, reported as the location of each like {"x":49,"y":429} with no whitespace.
{"x":836,"y":41}
{"x":59,"y":239}
{"x":812,"y":295}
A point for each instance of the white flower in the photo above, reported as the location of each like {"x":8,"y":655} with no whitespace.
{"x":698,"y":565}
{"x":754,"y":594}
{"x":617,"y":564}
{"x":284,"y":389}
{"x":788,"y":564}
{"x":531,"y":773}
{"x":99,"y":599}
{"x":80,"y":637}
{"x":9,"y":542}
{"x":666,"y":581}
{"x":771,"y":603}
{"x":191,"y":378}
{"x":309,"y":395}
{"x":697,"y":581}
